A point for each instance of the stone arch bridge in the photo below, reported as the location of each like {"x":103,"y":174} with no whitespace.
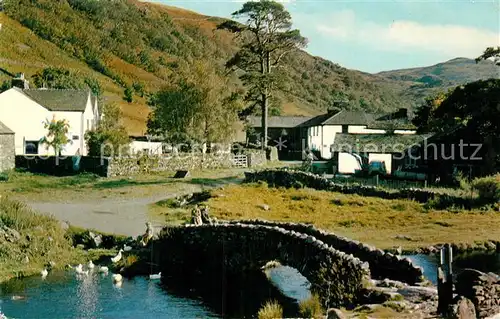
{"x":237,"y":247}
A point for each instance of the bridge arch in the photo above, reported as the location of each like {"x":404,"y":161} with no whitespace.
{"x":338,"y":278}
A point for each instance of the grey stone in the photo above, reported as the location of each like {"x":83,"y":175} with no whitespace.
{"x":264,"y":207}
{"x":333,"y":313}
{"x":462,"y":308}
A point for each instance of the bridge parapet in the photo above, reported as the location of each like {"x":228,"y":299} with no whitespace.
{"x":382,"y":265}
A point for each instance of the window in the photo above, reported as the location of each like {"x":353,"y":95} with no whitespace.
{"x":31,"y":147}
{"x":75,"y":137}
{"x":345,"y":129}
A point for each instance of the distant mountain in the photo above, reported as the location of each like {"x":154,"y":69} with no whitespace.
{"x":120,"y":43}
{"x":417,"y":83}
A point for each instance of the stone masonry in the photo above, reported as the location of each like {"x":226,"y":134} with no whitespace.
{"x":7,"y":148}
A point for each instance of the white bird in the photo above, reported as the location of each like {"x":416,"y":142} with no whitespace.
{"x":79,"y":269}
{"x":155,"y":276}
{"x":90,"y":265}
{"x":126,"y":248}
{"x":44,"y":273}
{"x":117,"y":278}
{"x":117,"y":257}
{"x":103,"y":269}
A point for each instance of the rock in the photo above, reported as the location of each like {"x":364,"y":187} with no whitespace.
{"x":264,"y":207}
{"x":26,"y":260}
{"x":64,"y":225}
{"x":9,"y":234}
{"x":462,"y":308}
{"x":333,"y":313}
{"x":403,"y":237}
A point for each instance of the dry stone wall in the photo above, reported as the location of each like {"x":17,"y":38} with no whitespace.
{"x":7,"y":152}
{"x":482,"y":289}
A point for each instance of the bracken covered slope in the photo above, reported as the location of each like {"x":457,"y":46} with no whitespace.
{"x":122,"y":42}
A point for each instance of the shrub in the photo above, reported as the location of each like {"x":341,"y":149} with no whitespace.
{"x":488,"y":188}
{"x":271,"y":310}
{"x":311,"y":307}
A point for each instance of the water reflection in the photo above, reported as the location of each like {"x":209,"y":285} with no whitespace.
{"x":290,"y":282}
{"x":63,"y":296}
{"x":485,"y":262}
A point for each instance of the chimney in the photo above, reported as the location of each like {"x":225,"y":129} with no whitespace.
{"x":20,"y":82}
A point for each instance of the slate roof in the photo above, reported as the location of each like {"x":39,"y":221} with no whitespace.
{"x":397,"y":124}
{"x":278,"y":121}
{"x":350,"y":118}
{"x":60,"y":100}
{"x":4,"y":129}
{"x":376,"y":143}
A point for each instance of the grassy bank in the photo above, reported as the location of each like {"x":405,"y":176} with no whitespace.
{"x":30,"y":242}
{"x":383,"y":223}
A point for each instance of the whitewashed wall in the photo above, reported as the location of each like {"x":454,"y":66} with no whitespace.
{"x":25,"y":117}
{"x":347,"y":163}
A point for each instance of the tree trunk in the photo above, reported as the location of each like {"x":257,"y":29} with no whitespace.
{"x":265,"y":107}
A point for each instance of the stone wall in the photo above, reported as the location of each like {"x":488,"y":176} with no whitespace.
{"x":299,"y":179}
{"x":7,"y":152}
{"x":256,"y":158}
{"x":382,"y":265}
{"x":183,"y":161}
{"x":223,"y":249}
{"x":482,"y":289}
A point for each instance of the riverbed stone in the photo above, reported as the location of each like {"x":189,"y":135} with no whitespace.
{"x":462,"y":308}
{"x":333,"y":313}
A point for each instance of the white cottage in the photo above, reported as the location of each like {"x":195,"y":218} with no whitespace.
{"x":25,"y":110}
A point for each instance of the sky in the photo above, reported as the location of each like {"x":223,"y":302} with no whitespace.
{"x":374,"y":36}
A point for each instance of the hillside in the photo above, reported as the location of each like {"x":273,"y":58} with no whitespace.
{"x":421,"y":82}
{"x":123,"y":42}
{"x":130,"y":43}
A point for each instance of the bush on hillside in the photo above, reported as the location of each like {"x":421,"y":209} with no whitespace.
{"x":488,"y":188}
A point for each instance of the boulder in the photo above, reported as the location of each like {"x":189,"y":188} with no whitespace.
{"x":462,"y":308}
{"x":333,"y":313}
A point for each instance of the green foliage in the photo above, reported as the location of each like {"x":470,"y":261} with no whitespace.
{"x":266,"y":38}
{"x":488,"y":188}
{"x":56,"y":78}
{"x":128,"y":94}
{"x":57,"y":134}
{"x":110,"y":138}
{"x":199,"y":108}
{"x":271,"y":310}
{"x":94,"y":86}
{"x":489,"y":53}
{"x":311,"y":307}
{"x":138,"y":88}
{"x":5,"y":86}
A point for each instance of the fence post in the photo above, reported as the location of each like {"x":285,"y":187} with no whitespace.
{"x":445,"y":279}
{"x":376,"y":180}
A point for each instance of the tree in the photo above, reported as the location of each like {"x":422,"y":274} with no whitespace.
{"x":425,"y":114}
{"x":5,"y":86}
{"x":57,"y":134}
{"x":471,"y":110}
{"x":128,"y":94}
{"x":267,"y":37}
{"x":490,"y":53}
{"x":200,"y":107}
{"x":110,"y":137}
{"x":56,"y":78}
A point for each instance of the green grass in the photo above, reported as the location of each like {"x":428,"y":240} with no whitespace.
{"x":383,"y":223}
{"x":41,"y":240}
{"x":45,"y":188}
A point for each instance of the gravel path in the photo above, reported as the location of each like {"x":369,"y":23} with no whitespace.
{"x":116,"y":216}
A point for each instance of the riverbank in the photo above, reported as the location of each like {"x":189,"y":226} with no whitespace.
{"x":31,"y":242}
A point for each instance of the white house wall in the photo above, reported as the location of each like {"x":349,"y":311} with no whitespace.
{"x":380,"y":157}
{"x":405,"y":132}
{"x":347,"y":163}
{"x":361,"y":129}
{"x":25,"y":117}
